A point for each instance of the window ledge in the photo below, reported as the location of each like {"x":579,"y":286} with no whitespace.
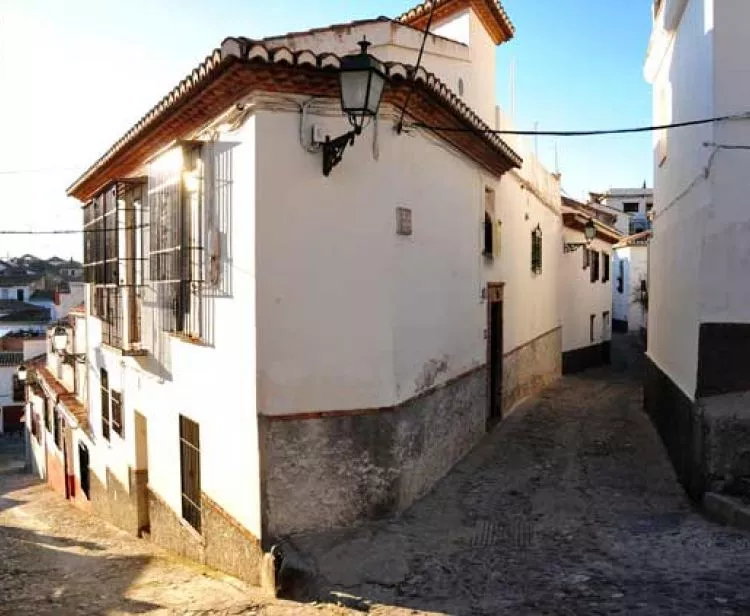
{"x":187,"y":339}
{"x":124,"y":352}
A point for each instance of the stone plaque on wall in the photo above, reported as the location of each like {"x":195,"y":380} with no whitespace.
{"x":403,"y":221}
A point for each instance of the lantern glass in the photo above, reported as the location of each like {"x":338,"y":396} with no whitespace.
{"x":589,"y":231}
{"x":60,"y":339}
{"x":362,"y":79}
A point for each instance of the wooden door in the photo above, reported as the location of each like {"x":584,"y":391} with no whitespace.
{"x":495,"y":351}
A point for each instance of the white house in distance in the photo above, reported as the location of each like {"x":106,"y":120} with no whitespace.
{"x":698,"y":376}
{"x":632,"y":206}
{"x":585,"y":288}
{"x":334,"y":326}
{"x":630,"y":286}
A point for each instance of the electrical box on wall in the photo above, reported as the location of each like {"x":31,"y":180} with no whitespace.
{"x":317,"y":134}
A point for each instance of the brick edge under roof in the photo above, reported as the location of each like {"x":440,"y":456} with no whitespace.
{"x":239,"y":49}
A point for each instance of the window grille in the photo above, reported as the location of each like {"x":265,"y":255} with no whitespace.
{"x":594,"y":266}
{"x":536,"y":250}
{"x":175,"y":238}
{"x":605,"y":275}
{"x":190,"y":471}
{"x":104,"y":384}
{"x":116,"y":421}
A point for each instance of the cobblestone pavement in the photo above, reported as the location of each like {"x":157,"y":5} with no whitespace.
{"x":57,"y":560}
{"x":570,"y":506}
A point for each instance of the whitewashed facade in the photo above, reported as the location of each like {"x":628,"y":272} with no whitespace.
{"x":630,"y":286}
{"x":323,"y":349}
{"x":698,"y":286}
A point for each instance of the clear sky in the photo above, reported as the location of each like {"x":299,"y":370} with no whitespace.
{"x":76,"y":74}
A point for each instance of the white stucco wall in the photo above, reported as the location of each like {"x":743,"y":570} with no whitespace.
{"x":37,"y":448}
{"x":212,"y":385}
{"x":580,"y":298}
{"x":625,"y":305}
{"x":366,"y":314}
{"x":681,"y":63}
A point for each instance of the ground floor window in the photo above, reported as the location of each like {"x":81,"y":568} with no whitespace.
{"x":190,"y":471}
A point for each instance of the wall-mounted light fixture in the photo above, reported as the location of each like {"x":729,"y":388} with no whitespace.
{"x":362,"y":79}
{"x":589,"y":232}
{"x":60,"y":345}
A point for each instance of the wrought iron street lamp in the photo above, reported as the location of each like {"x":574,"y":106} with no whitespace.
{"x":362,"y":80}
{"x":60,"y":344}
{"x":589,"y":232}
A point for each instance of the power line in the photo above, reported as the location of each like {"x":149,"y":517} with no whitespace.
{"x":400,"y":124}
{"x":67,"y":231}
{"x":580,"y":133}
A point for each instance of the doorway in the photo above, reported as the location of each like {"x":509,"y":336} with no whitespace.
{"x":495,"y":351}
{"x":141,"y":472}
{"x":83,"y":469}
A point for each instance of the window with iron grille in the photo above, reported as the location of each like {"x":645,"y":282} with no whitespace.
{"x":594,"y":266}
{"x":190,"y":472}
{"x":536,"y":250}
{"x":58,"y":428}
{"x":605,"y":274}
{"x":104,"y":384}
{"x":176,"y":233}
{"x":113,"y":256}
{"x":19,"y":395}
{"x":116,"y":422}
{"x":48,"y":415}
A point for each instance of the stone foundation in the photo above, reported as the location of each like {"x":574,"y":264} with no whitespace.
{"x":584,"y":358}
{"x":332,"y":471}
{"x":222,"y":544}
{"x":532,"y":367}
{"x":118,"y":504}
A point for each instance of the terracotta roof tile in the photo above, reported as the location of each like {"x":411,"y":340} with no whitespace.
{"x":641,"y":238}
{"x":491,"y":12}
{"x":247,"y":65}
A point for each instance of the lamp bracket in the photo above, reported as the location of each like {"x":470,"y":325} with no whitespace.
{"x":333,"y":150}
{"x":572,"y":247}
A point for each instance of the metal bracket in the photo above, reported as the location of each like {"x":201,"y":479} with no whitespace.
{"x":573,"y":247}
{"x":333,"y":150}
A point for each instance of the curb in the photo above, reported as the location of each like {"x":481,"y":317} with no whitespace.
{"x":728,"y":510}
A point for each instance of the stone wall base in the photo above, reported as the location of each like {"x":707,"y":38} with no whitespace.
{"x":530,"y":368}
{"x":584,"y":358}
{"x":222,"y":543}
{"x":333,"y":470}
{"x":118,"y":504}
{"x":707,"y":440}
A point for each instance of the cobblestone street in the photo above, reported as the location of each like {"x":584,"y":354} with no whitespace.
{"x":57,"y":560}
{"x":569,"y":507}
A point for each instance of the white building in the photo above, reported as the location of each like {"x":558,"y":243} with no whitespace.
{"x":311,"y":350}
{"x":630,"y":288}
{"x":632,"y":206}
{"x":585,"y":289}
{"x":699,"y":292}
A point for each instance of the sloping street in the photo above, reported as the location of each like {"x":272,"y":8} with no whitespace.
{"x":569,"y":507}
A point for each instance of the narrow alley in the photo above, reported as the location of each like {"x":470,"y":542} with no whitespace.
{"x":569,"y":507}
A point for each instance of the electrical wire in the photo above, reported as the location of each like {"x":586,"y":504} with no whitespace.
{"x":67,"y":231}
{"x":400,"y":125}
{"x":580,"y":133}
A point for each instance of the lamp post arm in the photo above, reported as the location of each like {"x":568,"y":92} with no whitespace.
{"x":333,"y":150}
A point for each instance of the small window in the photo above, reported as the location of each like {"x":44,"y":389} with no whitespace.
{"x":104,"y":377}
{"x":460,"y":86}
{"x":190,"y":472}
{"x":487,"y":251}
{"x":116,"y":422}
{"x":19,"y":392}
{"x":594,"y":266}
{"x":592,"y":324}
{"x":536,"y":250}
{"x":586,"y":258}
{"x":605,"y":273}
{"x":19,"y":295}
{"x":605,"y":326}
{"x":630,"y":207}
{"x":58,"y":428}
{"x":649,"y":206}
{"x":621,"y":277}
{"x":48,"y":418}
